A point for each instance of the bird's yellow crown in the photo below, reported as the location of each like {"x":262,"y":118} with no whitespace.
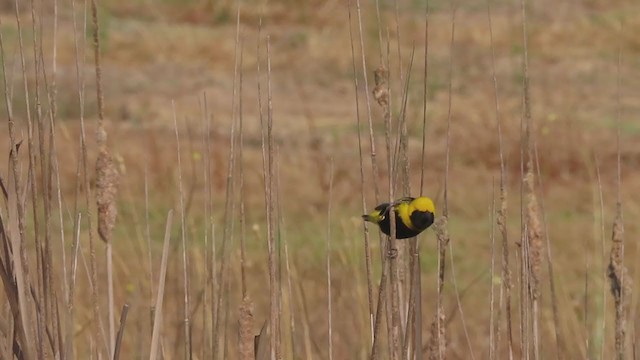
{"x":423,"y":203}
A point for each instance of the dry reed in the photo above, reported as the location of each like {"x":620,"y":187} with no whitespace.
{"x":437,"y":348}
{"x":367,"y":246}
{"x":13,"y":262}
{"x":107,"y":180}
{"x":157,"y":321}
{"x":21,"y":268}
{"x":328,"y":269}
{"x":268,"y":151}
{"x":438,"y":343}
{"x":533,"y":237}
{"x":492,"y":277}
{"x":417,"y":272}
{"x":38,"y":328}
{"x":617,"y":271}
{"x":123,"y":321}
{"x":246,"y":345}
{"x":381,"y":93}
{"x":501,"y":216}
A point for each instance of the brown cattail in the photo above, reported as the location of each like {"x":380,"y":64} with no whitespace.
{"x":502,"y":227}
{"x":107,"y":180}
{"x":534,"y":234}
{"x":246,"y":347}
{"x":620,"y":282}
{"x":617,"y":271}
{"x":381,"y":90}
{"x":437,"y":342}
{"x":441,"y":228}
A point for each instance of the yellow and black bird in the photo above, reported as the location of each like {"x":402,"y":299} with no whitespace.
{"x":413,"y":216}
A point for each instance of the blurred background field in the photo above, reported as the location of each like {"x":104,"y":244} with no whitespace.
{"x":164,"y":57}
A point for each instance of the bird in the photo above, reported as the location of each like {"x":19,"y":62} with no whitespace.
{"x":413,"y":216}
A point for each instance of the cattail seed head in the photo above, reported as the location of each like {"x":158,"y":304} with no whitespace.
{"x":534,"y":234}
{"x":107,"y":181}
{"x":246,"y":347}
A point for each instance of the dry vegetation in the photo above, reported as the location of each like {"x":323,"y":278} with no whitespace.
{"x":234,"y":150}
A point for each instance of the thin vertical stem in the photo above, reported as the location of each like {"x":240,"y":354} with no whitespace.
{"x":185,"y":250}
{"x":442,"y":242}
{"x":328,"y":254}
{"x":157,"y":322}
{"x":372,"y":144}
{"x":492,"y":235}
{"x":602,"y":258}
{"x":367,"y":248}
{"x":229,"y":206}
{"x":425,"y":95}
{"x":123,"y":321}
{"x":502,"y":212}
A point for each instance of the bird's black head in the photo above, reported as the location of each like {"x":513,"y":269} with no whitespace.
{"x":422,"y":219}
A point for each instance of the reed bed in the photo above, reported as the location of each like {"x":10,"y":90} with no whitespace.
{"x":196,"y":261}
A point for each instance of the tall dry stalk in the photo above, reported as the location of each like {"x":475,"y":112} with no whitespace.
{"x":402,"y":164}
{"x":367,"y":247}
{"x":501,"y":218}
{"x":230,"y":191}
{"x":533,"y":247}
{"x":382,"y":304}
{"x":402,"y":182}
{"x":32,"y":186}
{"x":384,"y":296}
{"x":454,"y":282}
{"x":241,"y":189}
{"x":492,"y":237}
{"x":53,"y":157}
{"x":123,"y":321}
{"x":400,"y":161}
{"x":600,"y":225}
{"x":210,"y":250}
{"x":66,"y":350}
{"x":290,"y":298}
{"x":107,"y":180}
{"x":437,"y":344}
{"x":382,"y":95}
{"x":15,"y":266}
{"x":44,"y":299}
{"x":268,"y":151}
{"x":328,"y":259}
{"x":79,"y":48}
{"x":549,"y":258}
{"x":533,"y":244}
{"x":246,"y":348}
{"x":448,"y":242}
{"x":186,"y":320}
{"x":416,"y":270}
{"x":617,"y":271}
{"x":282,"y":240}
{"x":157,"y":322}
{"x":372,"y":143}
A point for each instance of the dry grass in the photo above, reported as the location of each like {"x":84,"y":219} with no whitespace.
{"x":237,"y":94}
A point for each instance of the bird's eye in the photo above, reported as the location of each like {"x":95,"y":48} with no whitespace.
{"x":382,"y":217}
